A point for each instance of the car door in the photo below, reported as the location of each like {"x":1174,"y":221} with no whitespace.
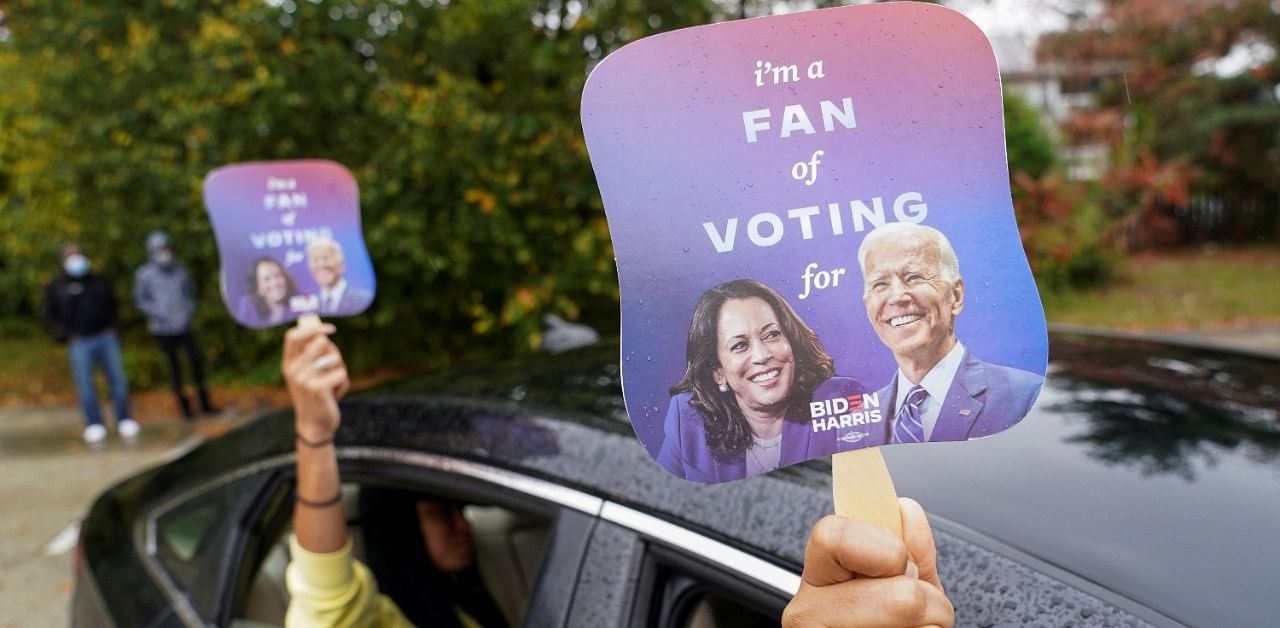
{"x":644,"y":570}
{"x":532,"y":532}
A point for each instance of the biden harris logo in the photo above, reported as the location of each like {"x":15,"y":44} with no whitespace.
{"x":846,"y":412}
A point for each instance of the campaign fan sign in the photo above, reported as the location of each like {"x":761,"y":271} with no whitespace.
{"x":290,"y":241}
{"x":815,"y":238}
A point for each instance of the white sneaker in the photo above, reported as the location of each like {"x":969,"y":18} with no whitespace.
{"x":94,"y":434}
{"x":128,"y":428}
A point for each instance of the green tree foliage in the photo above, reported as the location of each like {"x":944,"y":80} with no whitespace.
{"x":1061,"y":226}
{"x":458,"y":119}
{"x":1028,"y":145}
{"x":1160,"y":64}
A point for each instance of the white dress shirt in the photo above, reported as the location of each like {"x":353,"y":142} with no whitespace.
{"x":937,"y":382}
{"x":329,"y":299}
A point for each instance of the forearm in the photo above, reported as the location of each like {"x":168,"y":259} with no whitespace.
{"x":316,"y":378}
{"x":319,"y":528}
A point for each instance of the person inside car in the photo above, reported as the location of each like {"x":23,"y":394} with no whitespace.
{"x":854,"y":574}
{"x":421,"y":553}
{"x":423,"y":556}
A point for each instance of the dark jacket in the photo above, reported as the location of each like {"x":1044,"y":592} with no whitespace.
{"x":166,"y":295}
{"x":79,"y":306}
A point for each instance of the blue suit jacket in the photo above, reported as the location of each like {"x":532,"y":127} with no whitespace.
{"x":685,"y":452}
{"x":984,"y":399}
{"x":353,"y":300}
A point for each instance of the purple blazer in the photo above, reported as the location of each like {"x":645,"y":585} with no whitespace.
{"x":247,"y":313}
{"x":984,"y":399}
{"x":685,"y":453}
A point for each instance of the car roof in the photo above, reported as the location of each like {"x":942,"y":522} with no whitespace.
{"x":1143,"y":470}
{"x":1149,"y":468}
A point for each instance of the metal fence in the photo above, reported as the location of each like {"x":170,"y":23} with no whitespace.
{"x":1215,"y":219}
{"x":1205,"y":219}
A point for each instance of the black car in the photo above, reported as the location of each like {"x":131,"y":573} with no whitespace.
{"x":1143,"y":489}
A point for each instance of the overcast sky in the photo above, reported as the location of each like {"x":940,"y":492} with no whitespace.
{"x":1007,"y":17}
{"x":1014,"y":25}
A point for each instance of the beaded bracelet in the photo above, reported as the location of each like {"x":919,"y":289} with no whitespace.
{"x":315,"y":444}
{"x":333,"y":501}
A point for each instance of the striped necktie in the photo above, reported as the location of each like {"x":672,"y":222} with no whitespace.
{"x":909,"y":426}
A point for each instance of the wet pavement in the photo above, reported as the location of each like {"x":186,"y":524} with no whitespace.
{"x":48,"y":478}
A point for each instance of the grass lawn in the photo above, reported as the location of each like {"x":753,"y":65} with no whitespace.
{"x":37,"y":372}
{"x":1184,"y":291}
{"x":34,"y":370}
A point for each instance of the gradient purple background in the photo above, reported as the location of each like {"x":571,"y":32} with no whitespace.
{"x":663,"y":124}
{"x":233,"y":196}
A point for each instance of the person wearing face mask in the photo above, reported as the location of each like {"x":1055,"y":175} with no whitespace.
{"x":164,"y":292}
{"x":81,"y":310}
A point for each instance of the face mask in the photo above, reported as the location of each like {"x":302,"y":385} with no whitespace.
{"x":76,"y":265}
{"x":163,"y":257}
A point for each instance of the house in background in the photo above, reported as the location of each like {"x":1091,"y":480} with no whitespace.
{"x":1065,"y":96}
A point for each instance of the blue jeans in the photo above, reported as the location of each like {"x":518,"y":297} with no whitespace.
{"x":99,"y":349}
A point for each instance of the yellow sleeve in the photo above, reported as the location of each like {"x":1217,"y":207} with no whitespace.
{"x":335,"y":590}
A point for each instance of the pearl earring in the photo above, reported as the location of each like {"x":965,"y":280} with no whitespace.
{"x":724,"y":388}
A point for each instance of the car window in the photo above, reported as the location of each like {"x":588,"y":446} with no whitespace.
{"x":688,"y":602}
{"x":502,"y":546}
{"x":192,"y":538}
{"x":181,"y":533}
{"x":714,"y":610}
{"x":681,"y":591}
